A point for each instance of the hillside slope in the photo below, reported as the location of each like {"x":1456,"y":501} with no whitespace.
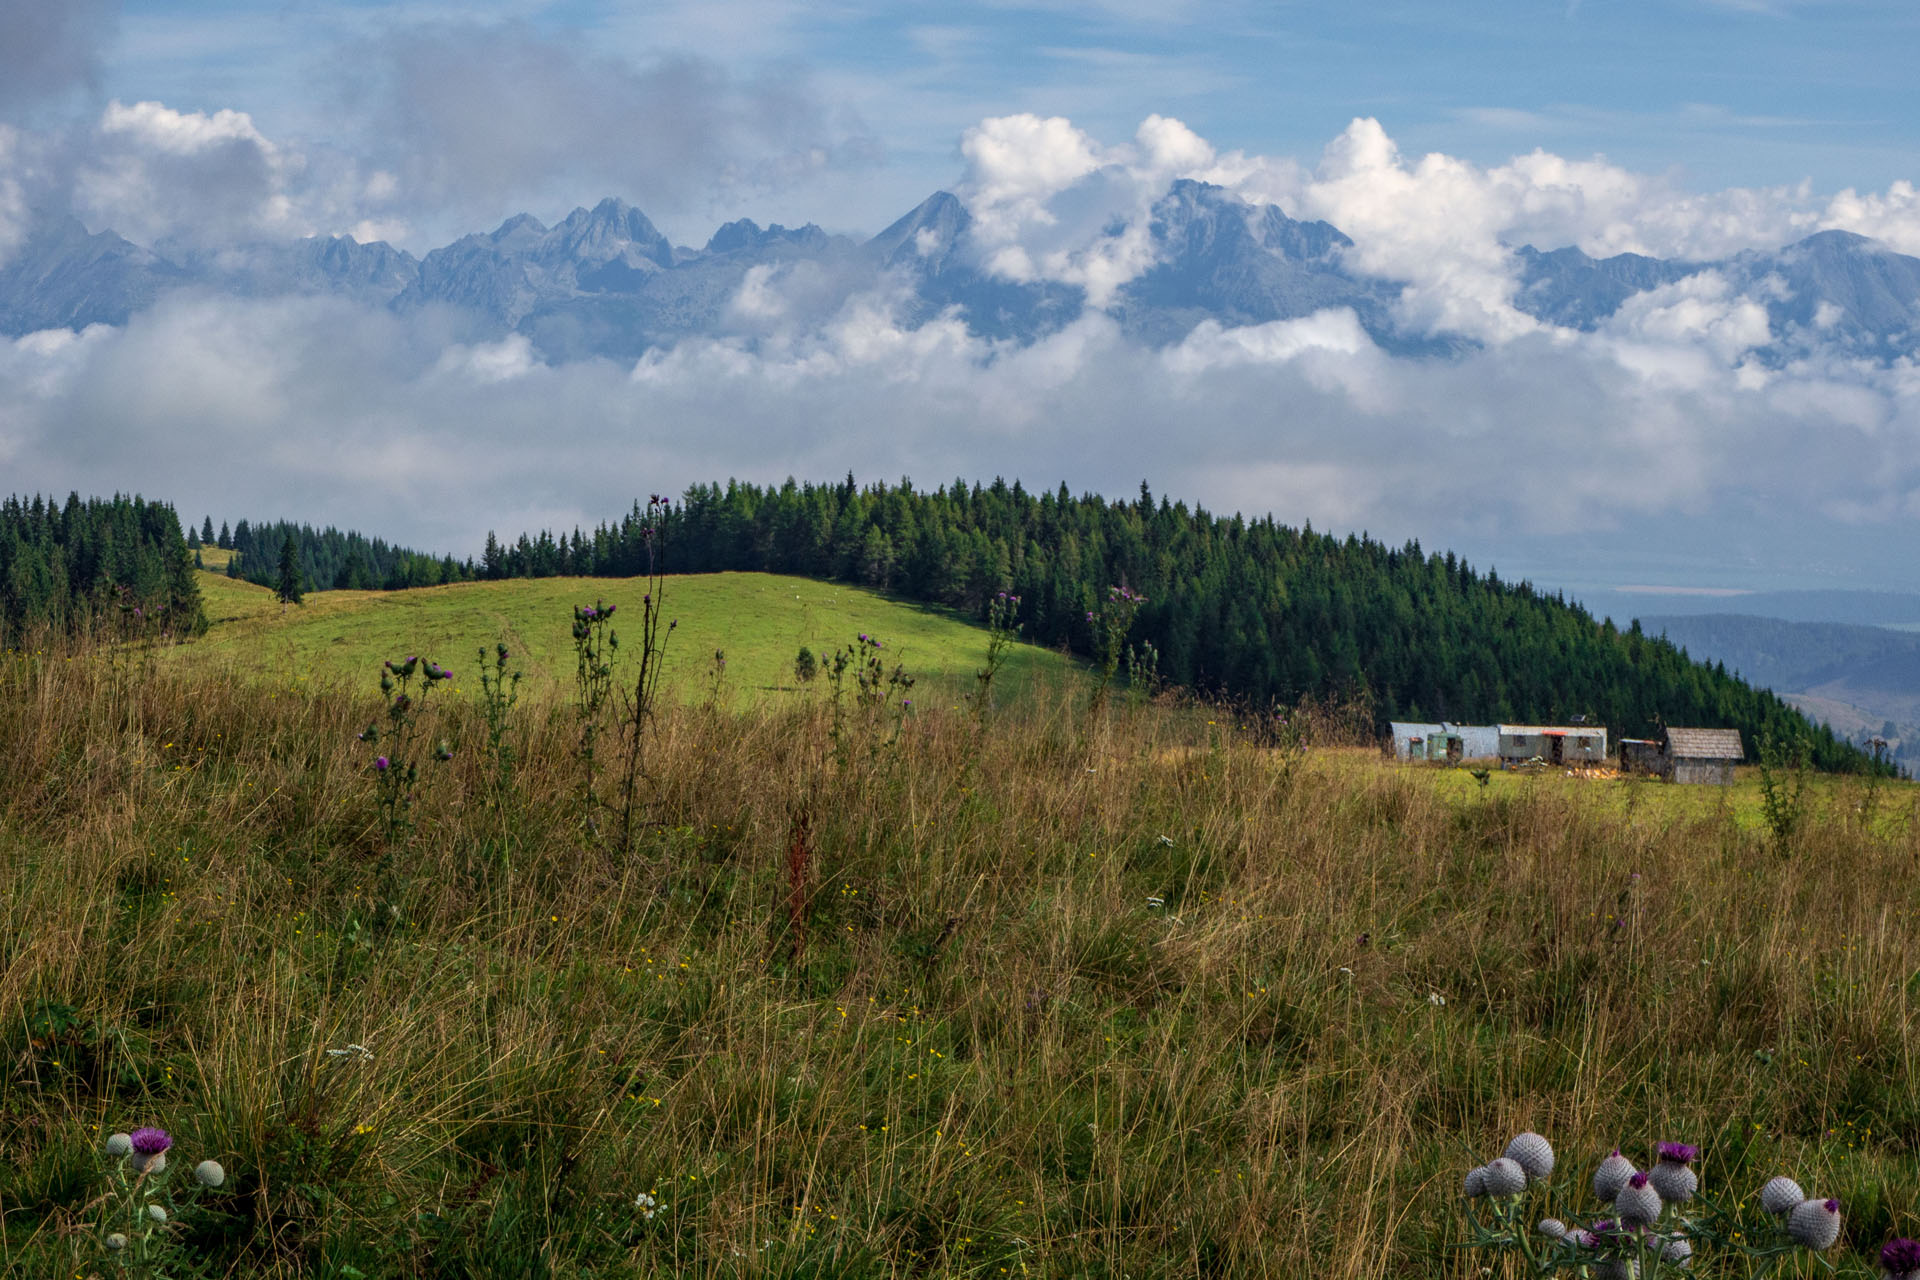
{"x":759,"y":621}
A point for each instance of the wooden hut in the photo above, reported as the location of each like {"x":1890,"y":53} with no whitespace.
{"x":1703,"y":755}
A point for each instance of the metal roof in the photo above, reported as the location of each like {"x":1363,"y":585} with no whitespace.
{"x":1705,"y":744}
{"x":1567,"y":731}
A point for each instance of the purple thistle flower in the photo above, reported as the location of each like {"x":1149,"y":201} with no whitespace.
{"x":1678,"y":1152}
{"x":150,"y":1141}
{"x":382,"y":763}
{"x":1900,"y":1258}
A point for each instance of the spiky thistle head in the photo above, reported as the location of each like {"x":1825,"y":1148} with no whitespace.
{"x":1815,"y":1223}
{"x":1780,"y":1195}
{"x":1505,"y":1177}
{"x":1552,"y":1228}
{"x":120,"y":1144}
{"x":1675,"y":1182}
{"x":1532,"y":1153}
{"x":1611,"y":1176}
{"x":1476,"y":1183}
{"x":1637,"y":1203}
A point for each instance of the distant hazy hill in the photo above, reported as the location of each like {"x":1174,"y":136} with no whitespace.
{"x":606,"y":282}
{"x":1858,"y":679}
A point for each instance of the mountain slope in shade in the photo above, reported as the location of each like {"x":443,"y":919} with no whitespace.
{"x":1832,"y":288}
{"x":64,"y":277}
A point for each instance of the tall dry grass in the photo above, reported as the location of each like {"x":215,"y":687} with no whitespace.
{"x":1126,"y":996}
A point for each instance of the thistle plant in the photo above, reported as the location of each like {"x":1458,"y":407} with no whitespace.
{"x":1143,"y":673}
{"x":396,"y":772}
{"x":140,"y":1225}
{"x":640,"y":701}
{"x":499,"y":691}
{"x":874,"y":686}
{"x":1111,"y":624}
{"x":595,"y":643}
{"x":1003,"y":629}
{"x":1656,"y":1221}
{"x":1783,"y":788}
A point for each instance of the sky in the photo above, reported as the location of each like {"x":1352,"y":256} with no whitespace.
{"x":1438,"y":136}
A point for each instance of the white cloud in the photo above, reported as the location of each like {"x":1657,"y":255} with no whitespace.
{"x":158,"y":175}
{"x":1892,"y":216}
{"x":332,"y":412}
{"x":467,"y":118}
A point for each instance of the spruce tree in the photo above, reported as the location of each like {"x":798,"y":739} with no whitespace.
{"x":225,"y":542}
{"x":288,"y":587}
{"x":206,"y":531}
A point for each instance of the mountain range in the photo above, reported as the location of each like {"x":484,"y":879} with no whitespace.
{"x":606,"y":282}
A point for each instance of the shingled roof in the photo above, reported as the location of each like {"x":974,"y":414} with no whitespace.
{"x":1705,"y":744}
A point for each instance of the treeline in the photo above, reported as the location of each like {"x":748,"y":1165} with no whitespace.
{"x":1249,"y":609}
{"x":115,"y":562}
{"x":329,"y":560}
{"x":1246,"y":609}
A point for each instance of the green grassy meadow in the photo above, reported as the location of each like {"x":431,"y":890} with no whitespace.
{"x":1068,"y":991}
{"x":760,"y":621}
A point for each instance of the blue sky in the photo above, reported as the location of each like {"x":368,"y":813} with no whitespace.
{"x":1716,"y":92}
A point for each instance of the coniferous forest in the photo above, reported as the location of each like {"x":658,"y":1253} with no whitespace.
{"x":329,"y":560}
{"x":116,"y":562}
{"x":1250,"y":610}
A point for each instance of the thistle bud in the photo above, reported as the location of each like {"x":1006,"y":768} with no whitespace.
{"x":1505,"y":1177}
{"x":1616,"y":1269}
{"x":208,"y":1173}
{"x":1532,"y":1153}
{"x":157,"y":1212}
{"x":120,"y":1144}
{"x":1611,"y":1176}
{"x":1677,"y":1251}
{"x":1672,"y":1177}
{"x":1552,"y":1228}
{"x":1780,"y":1195}
{"x":1476,"y":1183}
{"x":1638,"y":1204}
{"x":1815,"y":1223}
{"x":115,"y":1242}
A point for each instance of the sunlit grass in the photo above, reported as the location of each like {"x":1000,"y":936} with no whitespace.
{"x":1127,"y":995}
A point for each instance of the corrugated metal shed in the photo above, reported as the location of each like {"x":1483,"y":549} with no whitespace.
{"x":1556,"y":744}
{"x":1705,"y":744}
{"x":1478,"y":741}
{"x":1406,"y":733}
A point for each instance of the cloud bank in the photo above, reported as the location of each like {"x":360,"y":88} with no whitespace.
{"x":325,"y":410}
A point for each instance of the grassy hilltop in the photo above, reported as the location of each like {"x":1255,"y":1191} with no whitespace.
{"x":1068,"y":993}
{"x":759,"y":620}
